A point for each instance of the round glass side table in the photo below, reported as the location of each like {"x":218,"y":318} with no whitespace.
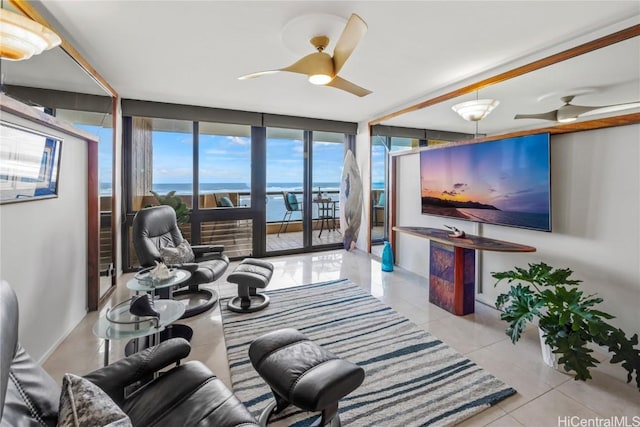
{"x":118,"y":323}
{"x":142,"y":282}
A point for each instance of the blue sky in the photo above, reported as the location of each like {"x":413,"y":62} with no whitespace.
{"x":226,"y":159}
{"x":105,"y":149}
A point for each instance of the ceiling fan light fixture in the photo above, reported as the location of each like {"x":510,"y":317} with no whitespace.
{"x":21,"y":37}
{"x":567,"y":119}
{"x":475,"y":110}
{"x":320,"y":79}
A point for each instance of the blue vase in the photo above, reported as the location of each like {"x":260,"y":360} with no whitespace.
{"x":387,"y":257}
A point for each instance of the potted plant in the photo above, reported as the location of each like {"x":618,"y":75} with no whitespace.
{"x":170,"y":199}
{"x":568,"y":318}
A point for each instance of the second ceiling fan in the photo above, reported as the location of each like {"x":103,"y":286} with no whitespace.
{"x":323,"y":69}
{"x":570,"y":112}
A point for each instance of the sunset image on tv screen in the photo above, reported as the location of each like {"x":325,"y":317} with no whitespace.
{"x":505,"y":182}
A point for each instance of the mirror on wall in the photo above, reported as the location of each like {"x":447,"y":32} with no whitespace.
{"x":607,"y":77}
{"x":55,"y":83}
{"x":603,"y":73}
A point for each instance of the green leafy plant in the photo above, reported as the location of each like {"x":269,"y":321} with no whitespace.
{"x":567,"y":317}
{"x":170,"y":199}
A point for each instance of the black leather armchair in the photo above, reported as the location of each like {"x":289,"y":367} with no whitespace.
{"x":186,"y":395}
{"x":155,"y":228}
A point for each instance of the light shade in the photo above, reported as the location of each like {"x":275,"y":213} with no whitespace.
{"x":475,"y":110}
{"x":320,"y":79}
{"x":21,"y":37}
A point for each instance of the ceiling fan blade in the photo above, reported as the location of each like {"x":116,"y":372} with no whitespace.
{"x":551,"y":115}
{"x":612,"y":108}
{"x":314,"y":63}
{"x":258,"y":74}
{"x":353,"y":32}
{"x":340,"y":83}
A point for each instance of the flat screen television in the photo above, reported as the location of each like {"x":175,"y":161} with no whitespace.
{"x":503,"y":182}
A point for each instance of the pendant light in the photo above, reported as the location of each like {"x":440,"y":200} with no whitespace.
{"x":21,"y":37}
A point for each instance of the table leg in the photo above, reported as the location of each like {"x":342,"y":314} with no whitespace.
{"x":106,"y":352}
{"x":452,"y":278}
{"x":458,"y":281}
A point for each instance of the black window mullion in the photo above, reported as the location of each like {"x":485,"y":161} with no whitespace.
{"x":195,"y":201}
{"x":258,"y":188}
{"x":307,"y":184}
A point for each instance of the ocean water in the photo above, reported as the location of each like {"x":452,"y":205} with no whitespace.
{"x":275,"y":203}
{"x":538,"y":221}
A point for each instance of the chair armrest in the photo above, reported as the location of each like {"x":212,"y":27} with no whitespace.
{"x":113,"y":378}
{"x":203,"y":249}
{"x":189,"y":266}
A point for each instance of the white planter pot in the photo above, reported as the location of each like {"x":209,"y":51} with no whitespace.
{"x":549,"y":357}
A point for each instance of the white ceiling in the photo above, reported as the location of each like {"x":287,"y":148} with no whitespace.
{"x":191,"y":52}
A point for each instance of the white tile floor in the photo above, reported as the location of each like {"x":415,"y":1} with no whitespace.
{"x":545,"y":397}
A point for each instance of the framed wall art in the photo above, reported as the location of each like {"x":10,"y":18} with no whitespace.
{"x":29,"y":164}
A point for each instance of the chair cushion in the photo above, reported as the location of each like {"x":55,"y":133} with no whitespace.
{"x":225,"y":202}
{"x":32,"y":396}
{"x":190,"y":395}
{"x":209,"y":270}
{"x":84,"y":404}
{"x":177,"y":255}
{"x":293,"y":201}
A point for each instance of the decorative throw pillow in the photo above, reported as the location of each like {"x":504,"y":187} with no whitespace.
{"x":225,"y":202}
{"x":293,"y":201}
{"x":84,"y":404}
{"x":178,"y":255}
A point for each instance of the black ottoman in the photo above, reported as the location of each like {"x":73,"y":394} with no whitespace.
{"x":250,"y":275}
{"x":303,"y":374}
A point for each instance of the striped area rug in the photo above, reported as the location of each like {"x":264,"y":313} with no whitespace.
{"x":412,"y":378}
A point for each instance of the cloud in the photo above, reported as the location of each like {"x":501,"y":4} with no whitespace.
{"x":239,"y":140}
{"x":524,"y":191}
{"x":458,"y":188}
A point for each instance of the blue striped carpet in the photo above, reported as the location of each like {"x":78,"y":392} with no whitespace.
{"x":412,"y":378}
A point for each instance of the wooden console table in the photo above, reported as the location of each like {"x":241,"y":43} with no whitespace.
{"x":452,"y":265}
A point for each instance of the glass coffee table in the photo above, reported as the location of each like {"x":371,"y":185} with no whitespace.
{"x":142,"y":282}
{"x":118,"y":324}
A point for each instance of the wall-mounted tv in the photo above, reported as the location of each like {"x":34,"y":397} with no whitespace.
{"x":503,"y":182}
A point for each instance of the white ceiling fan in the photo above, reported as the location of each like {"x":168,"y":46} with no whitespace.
{"x":323,"y":69}
{"x":570,"y":112}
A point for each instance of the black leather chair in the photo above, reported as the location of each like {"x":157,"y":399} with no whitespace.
{"x":187,"y":394}
{"x":155,"y":228}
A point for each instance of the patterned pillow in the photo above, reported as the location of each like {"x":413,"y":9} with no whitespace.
{"x":178,"y":255}
{"x":84,"y":404}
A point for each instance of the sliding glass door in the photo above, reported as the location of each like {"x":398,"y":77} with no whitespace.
{"x":285,"y":192}
{"x":327,"y":154}
{"x":304,"y":169}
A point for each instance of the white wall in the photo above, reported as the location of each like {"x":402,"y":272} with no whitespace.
{"x":595,"y":184}
{"x":43,"y":251}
